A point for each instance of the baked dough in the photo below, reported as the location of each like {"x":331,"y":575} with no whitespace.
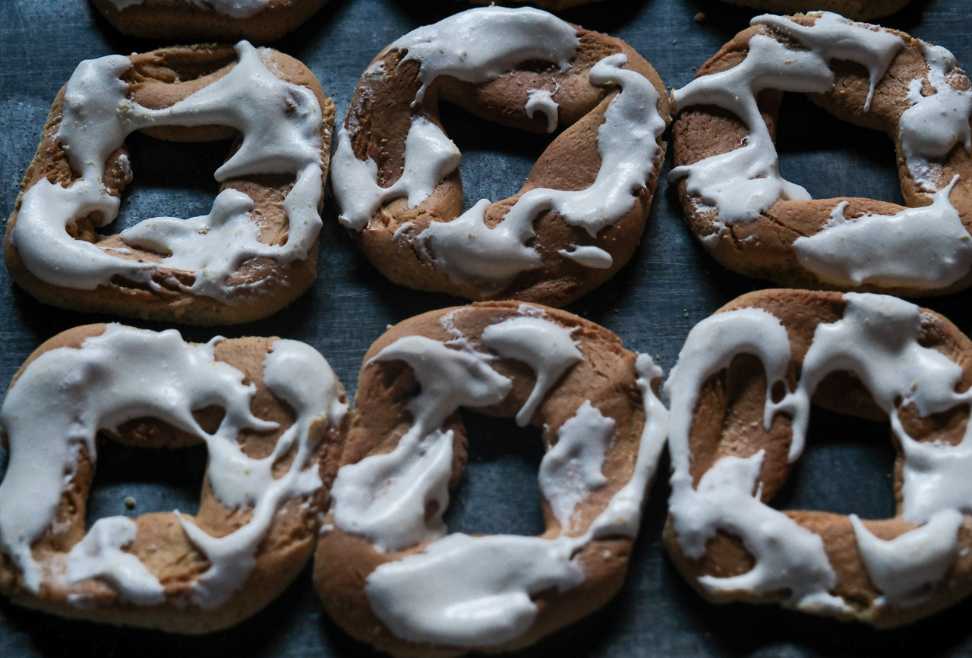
{"x":386,"y":570}
{"x":269,"y":411}
{"x":207,"y":20}
{"x":755,"y":222}
{"x":254,"y":253}
{"x":740,"y":398}
{"x":579,"y":216}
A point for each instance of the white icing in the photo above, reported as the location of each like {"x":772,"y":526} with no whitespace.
{"x":541,"y":344}
{"x":924,"y":246}
{"x":936,"y":123}
{"x":67,"y":395}
{"x":571,"y":469}
{"x":876,"y":340}
{"x":430,"y":156}
{"x":589,"y":256}
{"x":476,"y":591}
{"x":231,"y":8}
{"x":280,"y":124}
{"x":541,"y":100}
{"x":99,"y":555}
{"x":476,"y":46}
{"x":740,"y":184}
{"x":386,"y":497}
{"x":904,"y":566}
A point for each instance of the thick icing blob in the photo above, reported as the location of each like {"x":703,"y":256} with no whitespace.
{"x":65,"y":396}
{"x":280,"y":124}
{"x":876,"y":340}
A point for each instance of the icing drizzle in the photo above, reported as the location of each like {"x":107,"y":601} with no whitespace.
{"x":476,"y":591}
{"x":280,"y":124}
{"x":465,"y":247}
{"x":877,"y":341}
{"x":67,"y":395}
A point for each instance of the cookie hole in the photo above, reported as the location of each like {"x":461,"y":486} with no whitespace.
{"x":171,"y":179}
{"x":778,"y":392}
{"x":847,"y":467}
{"x":132,"y":481}
{"x":499,"y":492}
{"x":832,"y":158}
{"x":495,"y":159}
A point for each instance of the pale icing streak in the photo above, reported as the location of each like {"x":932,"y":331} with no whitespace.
{"x":67,"y":395}
{"x":877,"y":341}
{"x":471,"y":591}
{"x":231,"y":8}
{"x":925,"y":247}
{"x":480,"y":45}
{"x":541,"y":100}
{"x":280,"y":124}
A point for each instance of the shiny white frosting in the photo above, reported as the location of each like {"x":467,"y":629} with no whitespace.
{"x":876,"y":340}
{"x":925,"y":247}
{"x":468,"y":591}
{"x":476,"y":46}
{"x":67,"y":395}
{"x":280,"y":124}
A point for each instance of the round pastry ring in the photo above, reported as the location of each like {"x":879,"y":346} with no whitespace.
{"x":755,"y":222}
{"x":578,"y":217}
{"x":386,"y":544}
{"x":260,"y":502}
{"x":251,"y":255}
{"x":732,"y":446}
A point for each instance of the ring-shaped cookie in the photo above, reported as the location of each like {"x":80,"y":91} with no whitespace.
{"x":254,"y":253}
{"x":755,"y":222}
{"x":579,"y":216}
{"x":212,"y":20}
{"x":740,"y":399}
{"x":268,"y":410}
{"x":856,"y":9}
{"x":386,"y":568}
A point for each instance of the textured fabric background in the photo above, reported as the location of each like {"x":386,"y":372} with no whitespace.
{"x":670,"y":285}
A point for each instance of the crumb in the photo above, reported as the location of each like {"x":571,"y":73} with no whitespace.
{"x":129,"y":502}
{"x":699,"y":17}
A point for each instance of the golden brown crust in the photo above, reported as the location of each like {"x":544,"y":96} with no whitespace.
{"x":763,"y":248}
{"x":606,"y":377}
{"x":161,"y":544}
{"x":159,"y":79}
{"x":378,"y":121}
{"x":857,"y":9}
{"x":727,"y":422}
{"x":185,"y":21}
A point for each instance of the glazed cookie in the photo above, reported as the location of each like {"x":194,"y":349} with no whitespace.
{"x":740,"y":399}
{"x":552,"y":5}
{"x":267,"y":440}
{"x":579,"y":216}
{"x":207,"y":20}
{"x":254,"y":253}
{"x":386,"y":568}
{"x":860,"y":9}
{"x":755,"y":222}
